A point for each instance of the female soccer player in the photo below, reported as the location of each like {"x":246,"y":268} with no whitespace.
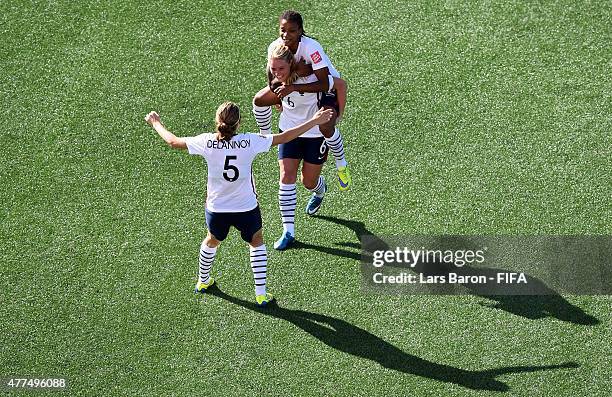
{"x":310,"y":59}
{"x":310,"y":148}
{"x":231,"y":199}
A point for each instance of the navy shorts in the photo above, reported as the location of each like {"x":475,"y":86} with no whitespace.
{"x":247,"y":223}
{"x":329,"y":99}
{"x":311,"y":150}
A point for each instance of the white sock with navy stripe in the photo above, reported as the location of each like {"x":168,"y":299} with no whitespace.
{"x":287,"y":201}
{"x":336,"y":146}
{"x":263,"y":118}
{"x":259,"y":266}
{"x":319,"y":190}
{"x":207,"y":256}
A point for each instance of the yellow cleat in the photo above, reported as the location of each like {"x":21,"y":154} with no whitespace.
{"x":344,"y":178}
{"x":201,"y":287}
{"x":263,"y":300}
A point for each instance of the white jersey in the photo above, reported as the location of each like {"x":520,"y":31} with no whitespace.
{"x":230,"y":186}
{"x":298,"y":108}
{"x":311,"y":52}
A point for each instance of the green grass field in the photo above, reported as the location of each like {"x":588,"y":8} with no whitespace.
{"x":481,"y":118}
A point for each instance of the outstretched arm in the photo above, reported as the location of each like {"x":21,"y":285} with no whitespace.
{"x":175,"y":142}
{"x":321,"y":117}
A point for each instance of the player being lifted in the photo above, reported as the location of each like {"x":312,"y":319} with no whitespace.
{"x":231,"y":198}
{"x":310,"y":148}
{"x":311,"y":59}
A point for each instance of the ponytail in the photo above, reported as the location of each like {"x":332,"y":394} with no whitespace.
{"x":227,"y":120}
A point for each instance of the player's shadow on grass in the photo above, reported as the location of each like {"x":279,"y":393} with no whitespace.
{"x":545,"y":302}
{"x":348,"y":338}
{"x":532,"y":300}
{"x":341,"y":252}
{"x":327,"y":250}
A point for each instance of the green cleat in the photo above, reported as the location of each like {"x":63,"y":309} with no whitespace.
{"x":263,"y":300}
{"x":201,"y":287}
{"x":344,"y":178}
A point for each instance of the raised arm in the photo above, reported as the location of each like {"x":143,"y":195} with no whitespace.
{"x":154,"y":121}
{"x":321,"y":117}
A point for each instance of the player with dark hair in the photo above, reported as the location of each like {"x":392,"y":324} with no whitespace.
{"x":310,"y":60}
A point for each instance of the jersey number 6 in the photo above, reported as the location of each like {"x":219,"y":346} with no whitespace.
{"x":228,"y":166}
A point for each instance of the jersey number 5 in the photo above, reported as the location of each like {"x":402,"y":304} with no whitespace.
{"x":228,"y":167}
